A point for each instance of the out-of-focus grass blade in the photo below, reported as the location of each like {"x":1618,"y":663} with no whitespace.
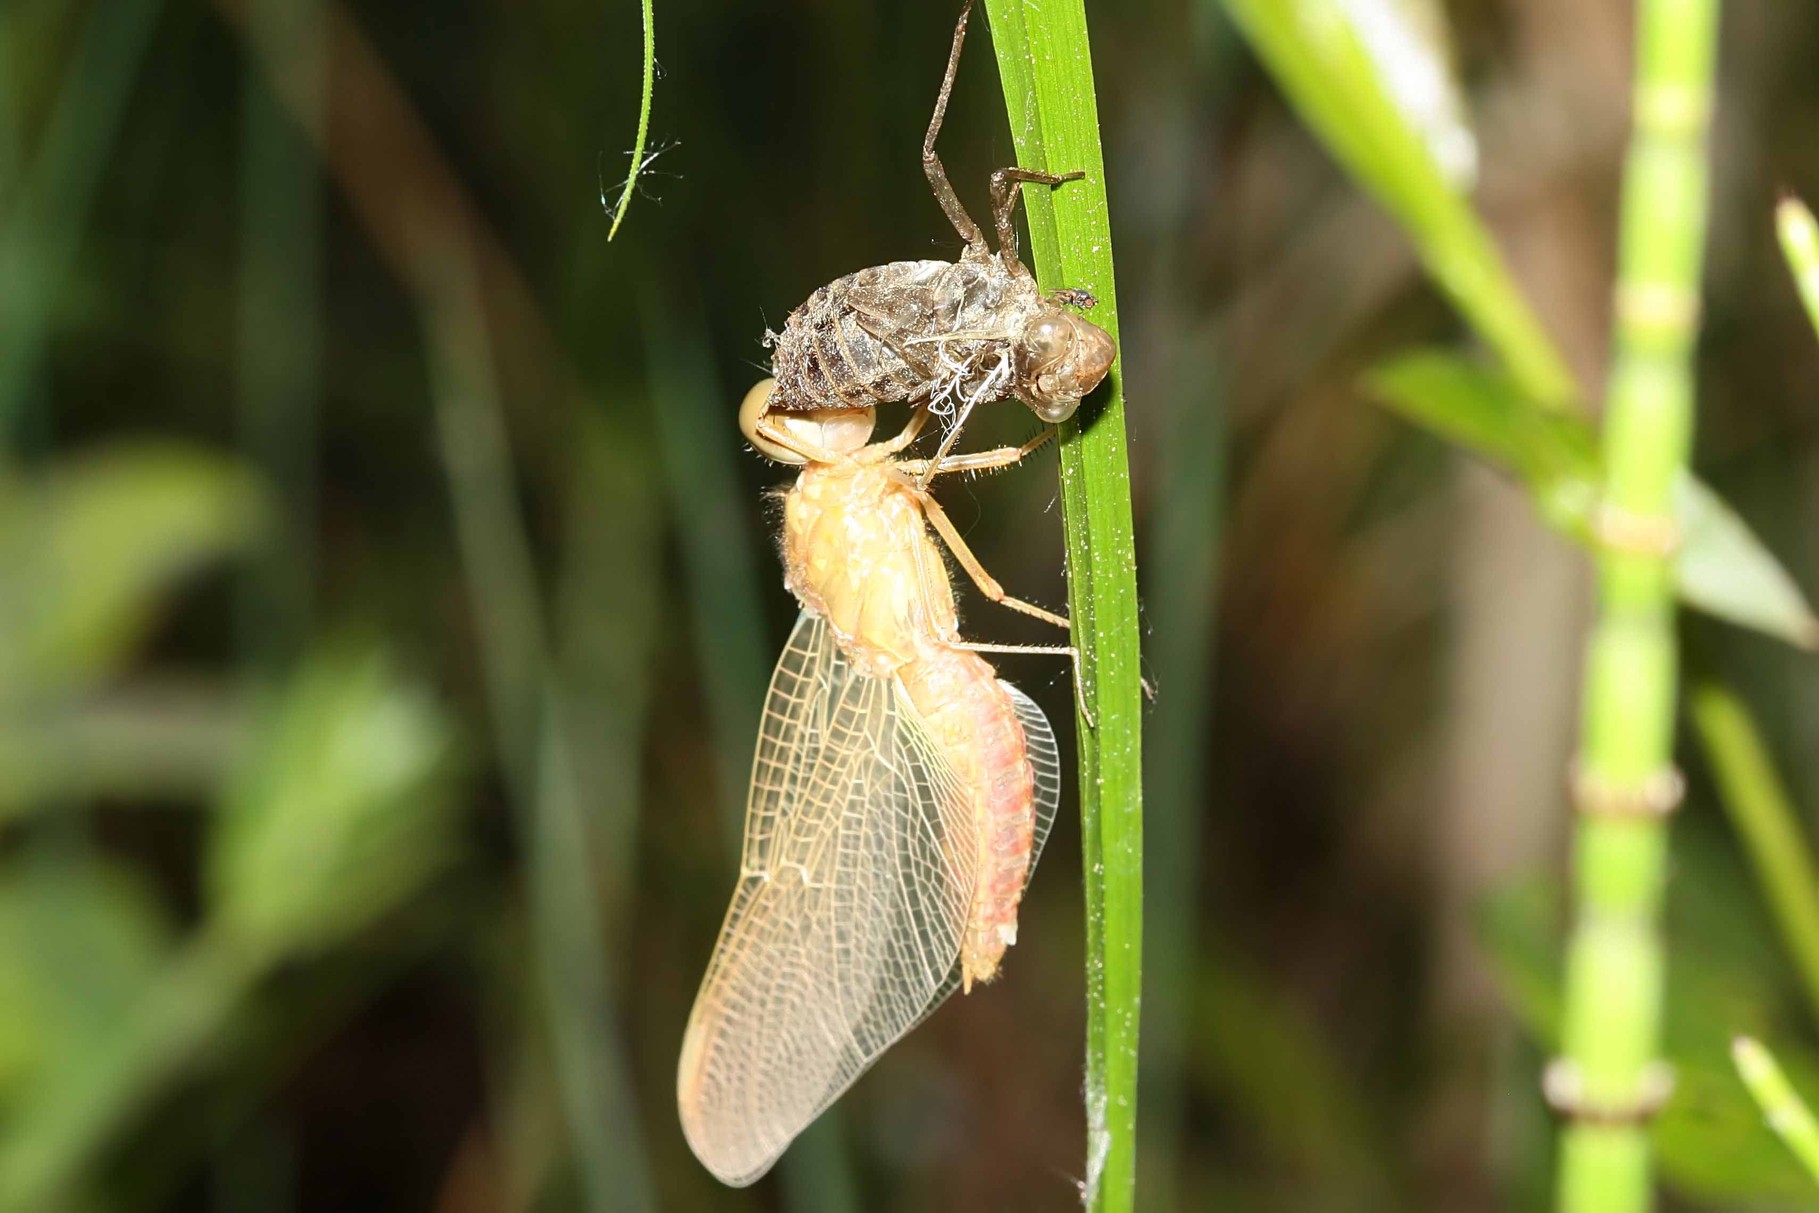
{"x":531,"y":725}
{"x":41,"y":229}
{"x":1271,"y":1065}
{"x":280,"y":322}
{"x":607,"y":615}
{"x":10,"y":153}
{"x":1182,"y":571}
{"x":698,"y":438}
{"x":1722,"y":568}
{"x":1772,"y":833}
{"x":1314,"y":50}
{"x":1317,"y":52}
{"x":1410,"y":44}
{"x":1800,"y":242}
{"x":87,"y":548}
{"x":1782,"y":1108}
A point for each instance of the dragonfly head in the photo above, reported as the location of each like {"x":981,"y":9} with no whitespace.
{"x":788,"y":437}
{"x":1060,"y":358}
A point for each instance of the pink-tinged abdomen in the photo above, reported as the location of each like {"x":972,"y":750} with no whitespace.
{"x":970,"y":713}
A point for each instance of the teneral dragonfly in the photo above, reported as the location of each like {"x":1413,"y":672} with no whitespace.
{"x":899,"y":798}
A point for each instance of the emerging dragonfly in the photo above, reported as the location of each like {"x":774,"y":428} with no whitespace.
{"x":900,"y":795}
{"x":949,"y":335}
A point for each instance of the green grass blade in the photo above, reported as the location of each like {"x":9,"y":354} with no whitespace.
{"x":1766,"y":822}
{"x":1800,"y":243}
{"x":1182,"y":596}
{"x":1782,"y":1107}
{"x":43,"y":227}
{"x":535,"y":751}
{"x":697,"y":439}
{"x":619,"y":208}
{"x":281,"y":338}
{"x":11,"y":154}
{"x":1312,"y":50}
{"x":1045,"y":66}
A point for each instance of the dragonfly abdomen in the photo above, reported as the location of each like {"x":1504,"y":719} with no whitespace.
{"x":970,"y":712}
{"x":826,"y":358}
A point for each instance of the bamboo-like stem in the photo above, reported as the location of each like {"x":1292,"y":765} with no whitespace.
{"x":1782,"y":1107}
{"x":1045,"y":66}
{"x":1615,"y":956}
{"x":1766,"y":822}
{"x":1800,"y":243}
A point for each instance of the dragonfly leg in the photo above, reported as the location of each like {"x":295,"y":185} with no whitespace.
{"x":977,"y":461}
{"x":1072,"y":654}
{"x":918,"y":419}
{"x":1005,"y":183}
{"x":988,"y":585}
{"x":931,"y":163}
{"x":779,"y":436}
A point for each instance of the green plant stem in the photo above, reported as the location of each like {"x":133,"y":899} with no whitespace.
{"x":1782,"y":1107}
{"x":1615,"y":955}
{"x":1045,"y":66}
{"x":1765,"y":820}
{"x":647,"y":86}
{"x":1800,"y":243}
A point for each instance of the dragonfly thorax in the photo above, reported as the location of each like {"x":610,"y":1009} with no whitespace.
{"x":857,"y":552}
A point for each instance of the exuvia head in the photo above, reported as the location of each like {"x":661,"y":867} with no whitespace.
{"x":1060,"y":358}
{"x":835,"y":431}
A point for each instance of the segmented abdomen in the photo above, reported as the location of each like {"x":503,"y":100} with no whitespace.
{"x":971,"y":713}
{"x":832,"y":351}
{"x":825,"y":358}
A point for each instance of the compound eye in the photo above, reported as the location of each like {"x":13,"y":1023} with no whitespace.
{"x":755,"y":408}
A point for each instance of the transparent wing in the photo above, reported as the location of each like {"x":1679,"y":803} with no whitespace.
{"x":853,"y":892}
{"x":1045,"y":762}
